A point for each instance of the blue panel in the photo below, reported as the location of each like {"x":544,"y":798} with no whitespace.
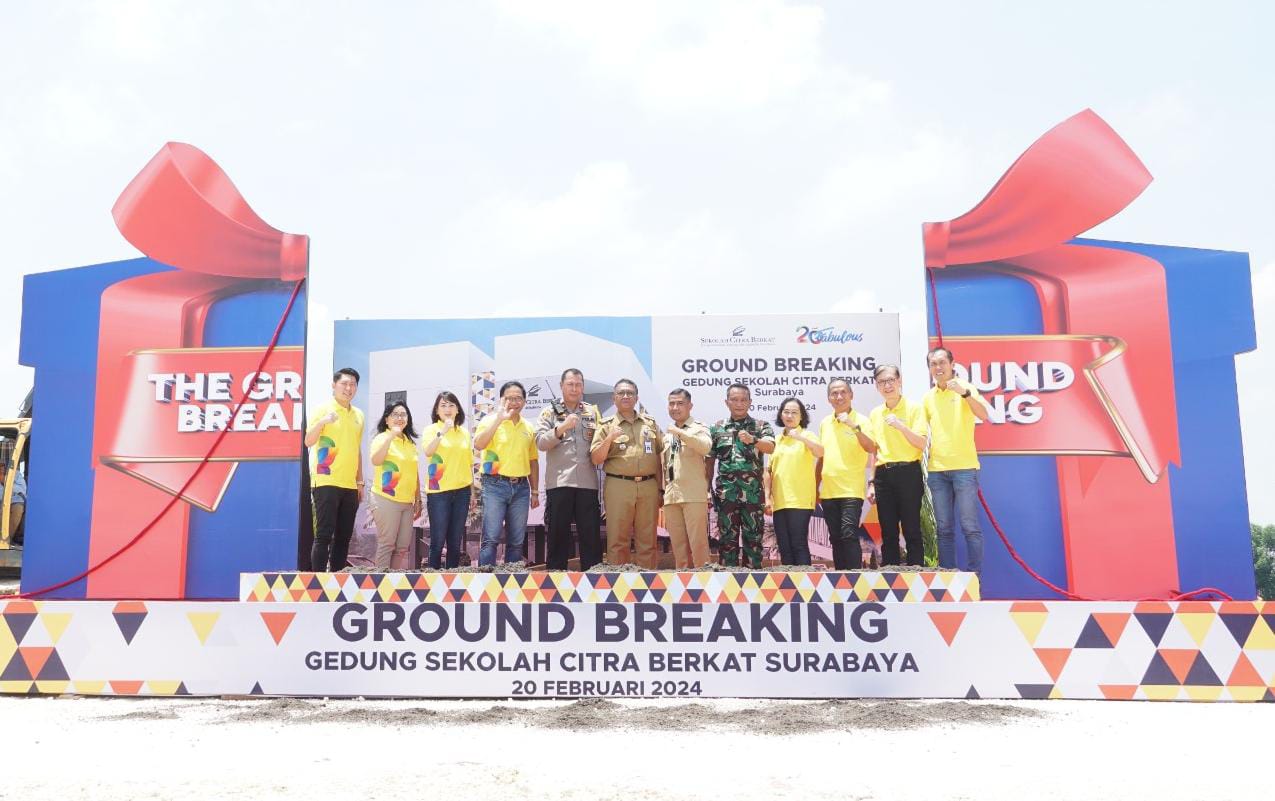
{"x":60,"y":313}
{"x":1211,"y":319}
{"x":1022,"y":491}
{"x":255,"y":526}
{"x":1210,"y":299}
{"x":1210,"y":501}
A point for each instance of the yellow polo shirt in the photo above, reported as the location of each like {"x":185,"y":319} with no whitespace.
{"x":396,"y":477}
{"x":452,"y":465}
{"x":334,"y":459}
{"x":512,"y":448}
{"x":792,"y":474}
{"x":845,"y":462}
{"x":892,"y":446}
{"x":951,"y":430}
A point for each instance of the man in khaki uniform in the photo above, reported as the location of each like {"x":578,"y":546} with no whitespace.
{"x":628,"y":446}
{"x":686,"y":447}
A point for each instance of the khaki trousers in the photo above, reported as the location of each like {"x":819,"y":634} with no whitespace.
{"x":687,"y":525}
{"x":631,"y":510}
{"x":393,"y":531}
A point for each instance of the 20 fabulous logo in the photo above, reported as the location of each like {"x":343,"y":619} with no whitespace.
{"x":819,"y":335}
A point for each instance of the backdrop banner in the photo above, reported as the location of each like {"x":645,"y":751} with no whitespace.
{"x":777,"y":356}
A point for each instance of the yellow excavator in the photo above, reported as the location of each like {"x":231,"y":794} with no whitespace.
{"x":13,"y":442}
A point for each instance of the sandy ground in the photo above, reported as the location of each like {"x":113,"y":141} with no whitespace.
{"x":936,"y":750}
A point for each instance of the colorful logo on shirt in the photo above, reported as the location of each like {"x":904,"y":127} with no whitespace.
{"x":326,"y":455}
{"x":389,"y":477}
{"x":491,"y":463}
{"x":435,"y":472}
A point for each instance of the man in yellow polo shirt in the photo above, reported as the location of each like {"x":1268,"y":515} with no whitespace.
{"x":847,"y":449}
{"x":506,"y":444}
{"x":898,"y":486}
{"x":951,"y":407}
{"x":336,"y":471}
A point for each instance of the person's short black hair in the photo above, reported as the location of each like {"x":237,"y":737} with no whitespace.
{"x":450,"y":398}
{"x":570,"y":371}
{"x":940,"y":349}
{"x":383,"y":424}
{"x":350,"y":371}
{"x":881,"y":368}
{"x":628,"y":381}
{"x":681,"y":393}
{"x":509,"y":384}
{"x":840,"y":380}
{"x":805,"y":415}
{"x":738,"y":385}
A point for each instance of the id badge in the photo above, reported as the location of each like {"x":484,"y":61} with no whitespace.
{"x":648,"y":445}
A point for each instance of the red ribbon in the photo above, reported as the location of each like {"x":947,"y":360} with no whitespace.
{"x":1117,"y":516}
{"x":182,"y":210}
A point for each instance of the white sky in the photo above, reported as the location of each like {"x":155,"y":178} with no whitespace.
{"x":454,"y":159}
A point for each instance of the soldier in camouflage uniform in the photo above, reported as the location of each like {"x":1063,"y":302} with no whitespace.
{"x":739,"y":442}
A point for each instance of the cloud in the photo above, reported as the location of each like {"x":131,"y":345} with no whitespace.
{"x":1264,"y":289}
{"x":871,"y":181}
{"x":1256,"y":385}
{"x":15,"y":378}
{"x":590,"y":245}
{"x":318,"y":350}
{"x":143,"y":31}
{"x":677,"y":57}
{"x":592,"y":213}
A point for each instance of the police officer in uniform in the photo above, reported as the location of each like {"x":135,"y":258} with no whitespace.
{"x":565,"y":434}
{"x":628,"y":446}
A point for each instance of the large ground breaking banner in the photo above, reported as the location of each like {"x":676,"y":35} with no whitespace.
{"x":782,"y":635}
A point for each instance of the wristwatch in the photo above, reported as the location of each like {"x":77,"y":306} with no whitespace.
{"x":965,"y":394}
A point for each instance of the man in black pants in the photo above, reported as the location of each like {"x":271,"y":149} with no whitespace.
{"x":848,"y":450}
{"x":897,"y":485}
{"x":335,"y":439}
{"x":564,"y":433}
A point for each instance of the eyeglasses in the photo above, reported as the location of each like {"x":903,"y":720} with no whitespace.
{"x":399,"y":414}
{"x":625,"y":393}
{"x":885,"y":382}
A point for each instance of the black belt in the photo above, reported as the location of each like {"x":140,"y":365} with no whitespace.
{"x":632,"y":478}
{"x":508,"y":479}
{"x":888,"y":465}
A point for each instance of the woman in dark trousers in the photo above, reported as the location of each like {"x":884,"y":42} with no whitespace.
{"x":790,"y":482}
{"x":449,"y":476}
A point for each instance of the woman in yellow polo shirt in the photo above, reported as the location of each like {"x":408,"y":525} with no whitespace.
{"x":790,"y":482}
{"x":396,"y":491}
{"x":449,"y":478}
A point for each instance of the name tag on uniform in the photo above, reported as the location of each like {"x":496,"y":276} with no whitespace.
{"x":649,"y":446}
